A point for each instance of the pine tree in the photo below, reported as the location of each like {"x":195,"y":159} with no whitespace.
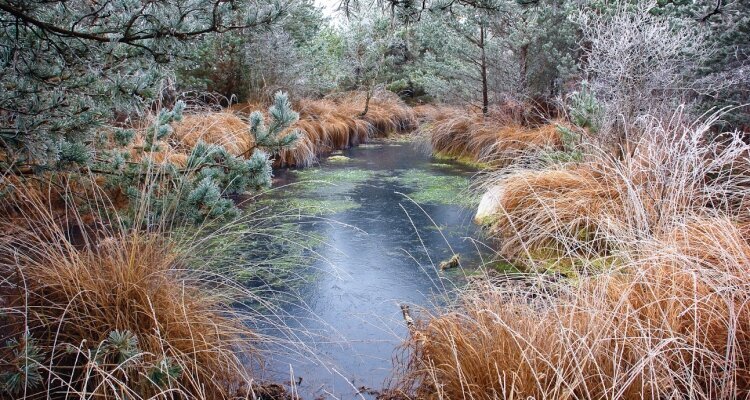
{"x":200,"y":191}
{"x":69,"y":67}
{"x":483,"y":52}
{"x":730,"y":63}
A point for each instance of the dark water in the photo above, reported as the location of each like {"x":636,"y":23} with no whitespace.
{"x":383,"y":252}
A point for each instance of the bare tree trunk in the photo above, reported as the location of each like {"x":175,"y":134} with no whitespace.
{"x":367,"y":102}
{"x":523,"y":56}
{"x":483,"y":69}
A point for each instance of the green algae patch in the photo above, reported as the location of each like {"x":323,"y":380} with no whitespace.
{"x":263,"y":248}
{"x":320,"y":191}
{"x":429,"y":188}
{"x":339,"y":159}
{"x":335,"y":184}
{"x":315,"y":178}
{"x":286,"y":248}
{"x":320,"y":207}
{"x":464,"y":160}
{"x":442,"y":165}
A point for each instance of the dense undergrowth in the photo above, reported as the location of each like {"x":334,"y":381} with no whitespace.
{"x":635,"y":285}
{"x":110,"y":288}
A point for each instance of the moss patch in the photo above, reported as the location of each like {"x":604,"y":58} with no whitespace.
{"x":314,"y":206}
{"x":316,"y":179}
{"x":429,"y":188}
{"x":468,"y":161}
{"x":339,"y":159}
{"x":504,"y":267}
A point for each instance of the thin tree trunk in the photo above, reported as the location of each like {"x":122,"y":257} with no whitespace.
{"x":483,"y":64}
{"x":367,"y":102}
{"x":523,"y":68}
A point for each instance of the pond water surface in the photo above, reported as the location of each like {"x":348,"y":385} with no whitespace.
{"x":383,"y":217}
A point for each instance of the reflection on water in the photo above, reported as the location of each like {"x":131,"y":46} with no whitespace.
{"x":382,"y":252}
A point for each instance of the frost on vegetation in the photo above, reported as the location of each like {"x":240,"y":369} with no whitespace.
{"x":198,"y":191}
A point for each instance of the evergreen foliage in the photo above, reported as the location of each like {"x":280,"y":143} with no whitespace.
{"x":24,"y":366}
{"x":69,"y":67}
{"x":585,"y":110}
{"x":299,"y":53}
{"x":521,"y":49}
{"x":198,"y":192}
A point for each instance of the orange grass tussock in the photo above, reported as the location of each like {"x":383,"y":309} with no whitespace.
{"x":221,"y":128}
{"x":496,"y":139}
{"x":593,"y":207}
{"x":113,"y":314}
{"x":328,"y":124}
{"x":658,"y":306}
{"x":673,"y":322}
{"x":532,"y":211}
{"x":339,"y":122}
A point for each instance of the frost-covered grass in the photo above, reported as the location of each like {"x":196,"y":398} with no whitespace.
{"x":118,"y":312}
{"x":656,"y":242}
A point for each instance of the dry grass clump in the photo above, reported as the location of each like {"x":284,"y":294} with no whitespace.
{"x":663,"y":308}
{"x":113,"y":314}
{"x":338,"y":122}
{"x":247,"y":108}
{"x":549,"y":211}
{"x":592,"y":207}
{"x":425,"y":113}
{"x":673,"y":322}
{"x":222,"y":128}
{"x":386,"y":112}
{"x":665,"y":327}
{"x":496,"y":139}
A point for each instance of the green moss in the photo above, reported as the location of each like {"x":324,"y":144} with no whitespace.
{"x":465,"y":160}
{"x":552,"y":260}
{"x":339,"y":159}
{"x":504,"y":267}
{"x":429,"y":188}
{"x":316,"y":206}
{"x":314,"y":178}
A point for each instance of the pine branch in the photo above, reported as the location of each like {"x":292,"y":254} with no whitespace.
{"x":133,"y":39}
